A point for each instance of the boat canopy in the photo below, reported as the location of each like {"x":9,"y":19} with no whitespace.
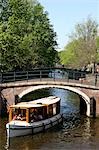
{"x":37,"y":103}
{"x":26,"y":105}
{"x":47,"y":100}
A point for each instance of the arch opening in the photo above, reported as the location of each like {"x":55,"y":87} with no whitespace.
{"x":85,"y":100}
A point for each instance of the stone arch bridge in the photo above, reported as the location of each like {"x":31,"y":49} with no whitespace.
{"x":88,"y":94}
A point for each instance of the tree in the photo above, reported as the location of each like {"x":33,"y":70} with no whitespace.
{"x":67,"y":56}
{"x":86,"y":33}
{"x":26,"y":35}
{"x":44,"y":38}
{"x":97,"y":44}
{"x":83,"y":44}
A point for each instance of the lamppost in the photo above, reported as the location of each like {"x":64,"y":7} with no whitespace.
{"x":97,"y":52}
{"x":95,"y":61}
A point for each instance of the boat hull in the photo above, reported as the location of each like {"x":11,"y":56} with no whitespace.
{"x":14,"y":130}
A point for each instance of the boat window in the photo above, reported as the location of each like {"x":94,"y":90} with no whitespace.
{"x":19,"y":114}
{"x":36,"y":114}
{"x":40,"y":113}
{"x":54,"y":109}
{"x":50,"y":110}
{"x":45,"y":113}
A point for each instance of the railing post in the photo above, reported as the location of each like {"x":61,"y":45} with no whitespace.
{"x":54,"y":75}
{"x":40,"y":75}
{"x":14,"y":76}
{"x":80,"y":78}
{"x":51,"y":74}
{"x":67,"y":76}
{"x":63,"y":74}
{"x":27,"y":76}
{"x":1,"y":80}
{"x":74,"y":75}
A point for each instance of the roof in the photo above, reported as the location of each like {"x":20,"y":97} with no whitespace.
{"x":47,"y":100}
{"x":26,"y":105}
{"x":37,"y":103}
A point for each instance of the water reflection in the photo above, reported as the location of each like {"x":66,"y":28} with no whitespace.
{"x":76,"y":132}
{"x":87,"y":129}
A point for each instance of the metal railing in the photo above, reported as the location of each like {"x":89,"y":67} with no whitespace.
{"x":42,"y":73}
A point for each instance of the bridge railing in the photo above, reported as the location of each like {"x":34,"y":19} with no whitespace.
{"x":53,"y":73}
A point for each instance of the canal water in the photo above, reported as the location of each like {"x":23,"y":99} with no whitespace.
{"x":76,"y":133}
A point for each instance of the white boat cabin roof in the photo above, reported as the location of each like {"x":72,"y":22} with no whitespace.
{"x":37,"y":103}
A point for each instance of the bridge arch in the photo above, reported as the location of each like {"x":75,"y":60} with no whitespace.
{"x":75,"y":90}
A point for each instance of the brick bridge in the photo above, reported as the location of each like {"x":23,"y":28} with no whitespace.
{"x":89,"y":94}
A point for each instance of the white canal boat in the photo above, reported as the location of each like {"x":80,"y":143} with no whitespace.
{"x":33,"y":116}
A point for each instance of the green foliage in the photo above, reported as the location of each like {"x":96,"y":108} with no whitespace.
{"x":97,"y":43}
{"x":82,"y":48}
{"x":68,"y":56}
{"x":26,"y":35}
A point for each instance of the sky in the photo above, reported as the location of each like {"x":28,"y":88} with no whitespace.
{"x":65,"y":14}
